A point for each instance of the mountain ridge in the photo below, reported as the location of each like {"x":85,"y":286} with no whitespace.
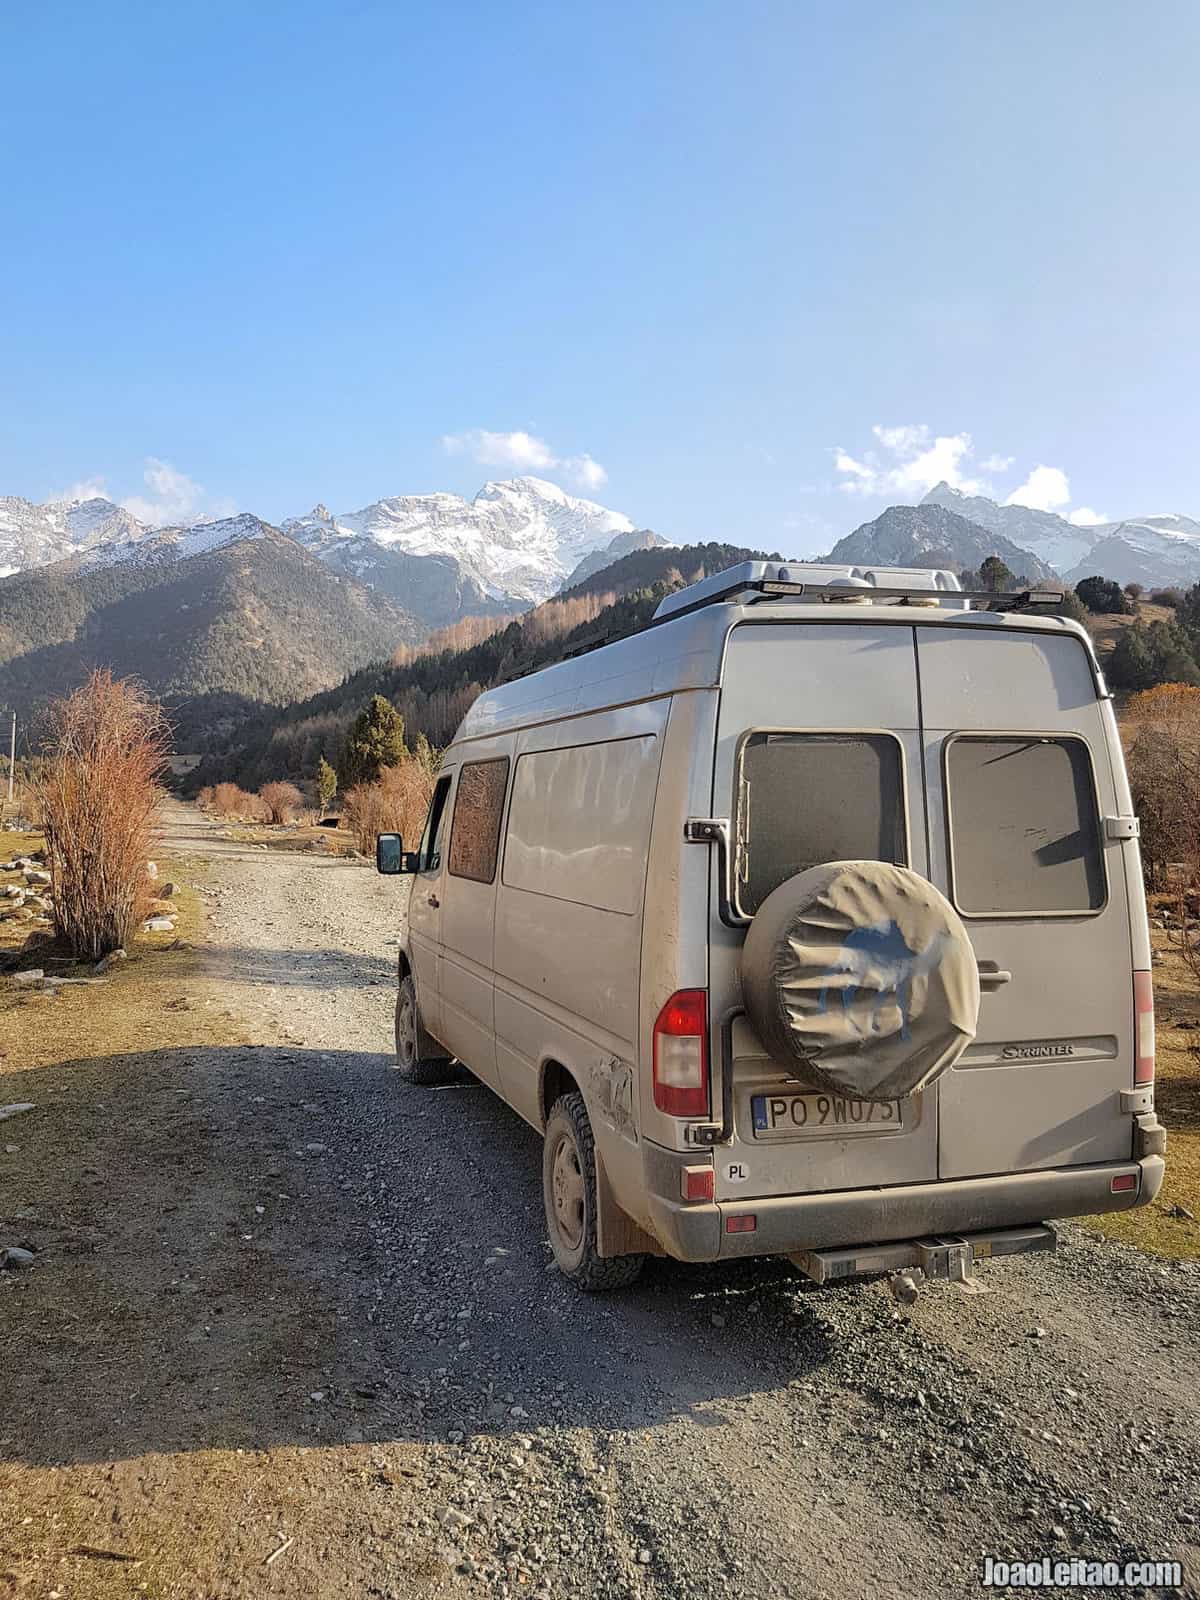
{"x":242,"y":617}
{"x":933,"y":536}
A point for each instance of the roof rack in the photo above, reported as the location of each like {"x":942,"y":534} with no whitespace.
{"x":752,"y":582}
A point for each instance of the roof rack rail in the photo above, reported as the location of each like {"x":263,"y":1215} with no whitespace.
{"x":755,"y":581}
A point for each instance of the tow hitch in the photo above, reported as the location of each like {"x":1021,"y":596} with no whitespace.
{"x":909,"y":1263}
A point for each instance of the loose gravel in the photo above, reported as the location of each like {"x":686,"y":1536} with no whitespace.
{"x":714,"y":1431}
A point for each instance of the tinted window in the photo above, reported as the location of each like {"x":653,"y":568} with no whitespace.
{"x":1024,"y":834}
{"x":805,"y":798}
{"x":475,"y":831}
{"x":579,"y":823}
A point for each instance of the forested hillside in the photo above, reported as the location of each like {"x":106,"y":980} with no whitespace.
{"x":214,"y":636}
{"x":433,"y":683}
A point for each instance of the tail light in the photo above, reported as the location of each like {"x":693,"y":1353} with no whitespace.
{"x":681,"y":1055}
{"x":1143,"y":1028}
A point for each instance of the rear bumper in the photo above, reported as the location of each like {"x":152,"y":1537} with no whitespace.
{"x":792,"y":1223}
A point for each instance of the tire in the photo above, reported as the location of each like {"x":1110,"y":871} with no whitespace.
{"x":569,"y":1193}
{"x":419,"y":1057}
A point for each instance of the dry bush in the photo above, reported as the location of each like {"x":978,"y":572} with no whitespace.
{"x":398,"y":803}
{"x":281,"y":800}
{"x":1162,"y":731}
{"x":107,"y":750}
{"x":205,"y":798}
{"x":228,"y":800}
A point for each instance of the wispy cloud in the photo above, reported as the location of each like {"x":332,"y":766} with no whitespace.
{"x":1049,"y":489}
{"x":524,"y":452}
{"x":93,"y":488}
{"x":1045,"y":489}
{"x":174,"y":497}
{"x":908,"y":460}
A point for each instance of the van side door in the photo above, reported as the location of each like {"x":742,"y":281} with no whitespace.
{"x":468,"y":989}
{"x":424,"y":907}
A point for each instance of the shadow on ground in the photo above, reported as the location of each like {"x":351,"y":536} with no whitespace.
{"x":307,"y":969}
{"x":253,"y":1247}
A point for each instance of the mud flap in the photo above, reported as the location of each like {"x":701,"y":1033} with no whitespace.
{"x":617,"y":1234}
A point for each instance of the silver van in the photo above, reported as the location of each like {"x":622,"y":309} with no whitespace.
{"x":807,"y":922}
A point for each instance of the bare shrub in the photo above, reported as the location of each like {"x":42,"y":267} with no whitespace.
{"x":1162,"y":729}
{"x":205,"y":798}
{"x":107,"y":750}
{"x":397,"y":803}
{"x":229,"y":800}
{"x":282,"y":801}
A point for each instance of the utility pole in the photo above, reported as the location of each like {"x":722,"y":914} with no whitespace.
{"x":12,"y":757}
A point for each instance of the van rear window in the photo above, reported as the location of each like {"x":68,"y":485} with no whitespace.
{"x":1024,"y":834}
{"x":808,"y":798}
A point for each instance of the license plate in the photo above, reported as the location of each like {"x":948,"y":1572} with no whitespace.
{"x":791,"y":1116}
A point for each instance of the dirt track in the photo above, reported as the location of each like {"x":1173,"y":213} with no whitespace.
{"x":425,"y":1407}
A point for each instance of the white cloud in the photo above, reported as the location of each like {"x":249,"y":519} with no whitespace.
{"x":1045,"y":489}
{"x":174,"y":497}
{"x":524,"y":452}
{"x":86,"y":489}
{"x":909,"y":460}
{"x":588,"y":474}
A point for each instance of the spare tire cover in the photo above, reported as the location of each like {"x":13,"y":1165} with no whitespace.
{"x":862,"y":974}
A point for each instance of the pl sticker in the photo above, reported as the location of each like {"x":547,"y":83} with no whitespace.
{"x":737,"y":1172}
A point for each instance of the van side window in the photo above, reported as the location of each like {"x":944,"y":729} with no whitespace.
{"x":808,"y":798}
{"x":435,"y":825}
{"x":579,"y":823}
{"x":1024,"y":834}
{"x":475,"y":831}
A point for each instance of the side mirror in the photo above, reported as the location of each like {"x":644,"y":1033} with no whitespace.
{"x":389,"y":854}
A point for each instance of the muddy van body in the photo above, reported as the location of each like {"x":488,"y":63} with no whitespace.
{"x":807,"y":921}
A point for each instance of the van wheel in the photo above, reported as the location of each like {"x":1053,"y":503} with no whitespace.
{"x":569,"y":1192}
{"x":419,"y":1057}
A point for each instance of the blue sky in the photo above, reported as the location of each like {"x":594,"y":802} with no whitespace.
{"x":715,"y":265}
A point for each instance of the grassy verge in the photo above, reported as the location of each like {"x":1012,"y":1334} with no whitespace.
{"x":1163,"y":1228}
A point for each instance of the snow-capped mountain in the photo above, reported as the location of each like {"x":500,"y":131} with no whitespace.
{"x":514,"y":544}
{"x":931,"y":535}
{"x":33,"y":535}
{"x":1148,"y":550}
{"x":177,"y":544}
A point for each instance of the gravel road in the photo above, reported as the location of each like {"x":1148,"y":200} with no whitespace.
{"x":713,"y":1431}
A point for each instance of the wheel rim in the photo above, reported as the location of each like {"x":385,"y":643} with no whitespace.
{"x":406,"y":1032}
{"x":567,"y":1191}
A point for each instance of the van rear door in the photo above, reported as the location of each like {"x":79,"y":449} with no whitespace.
{"x":1019,"y":780}
{"x":818,"y":758}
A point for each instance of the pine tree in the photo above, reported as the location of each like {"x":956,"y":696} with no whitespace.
{"x":995,"y":576}
{"x":326,"y":784}
{"x":375,"y":741}
{"x":425,"y":755}
{"x":1131,"y":664}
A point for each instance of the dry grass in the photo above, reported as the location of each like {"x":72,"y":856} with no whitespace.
{"x":1177,"y":1094}
{"x":1105,"y":627}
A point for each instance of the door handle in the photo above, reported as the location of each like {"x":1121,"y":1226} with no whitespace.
{"x":992,"y":976}
{"x":432,"y":899}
